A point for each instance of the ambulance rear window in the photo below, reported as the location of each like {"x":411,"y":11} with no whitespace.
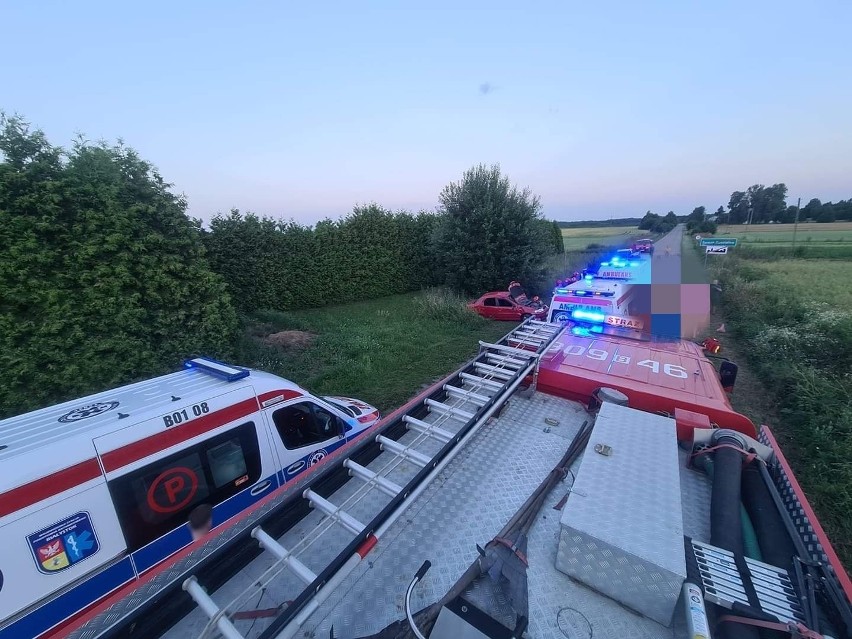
{"x":155,"y":499}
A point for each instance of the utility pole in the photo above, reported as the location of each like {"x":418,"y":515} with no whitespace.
{"x":796,"y":226}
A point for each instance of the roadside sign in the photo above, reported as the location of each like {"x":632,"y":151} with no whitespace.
{"x":718,"y":241}
{"x":716,"y":250}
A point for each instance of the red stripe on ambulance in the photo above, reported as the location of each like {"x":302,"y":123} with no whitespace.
{"x":46,"y":487}
{"x":115,"y":459}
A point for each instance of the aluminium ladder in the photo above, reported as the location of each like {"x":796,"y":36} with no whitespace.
{"x":386,"y":472}
{"x":428,"y":445}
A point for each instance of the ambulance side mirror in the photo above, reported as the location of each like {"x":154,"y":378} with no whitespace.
{"x":728,"y":375}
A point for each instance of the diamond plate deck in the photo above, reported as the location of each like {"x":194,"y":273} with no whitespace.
{"x":467,"y":505}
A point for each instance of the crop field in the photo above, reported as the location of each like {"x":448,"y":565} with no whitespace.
{"x":782,"y":234}
{"x":580,"y":238}
{"x":792,"y":319}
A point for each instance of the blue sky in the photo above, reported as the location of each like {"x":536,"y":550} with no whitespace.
{"x":302,"y":111}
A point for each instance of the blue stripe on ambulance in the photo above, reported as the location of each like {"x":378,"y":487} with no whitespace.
{"x":101,"y":584}
{"x":69,"y":603}
{"x":149,"y":556}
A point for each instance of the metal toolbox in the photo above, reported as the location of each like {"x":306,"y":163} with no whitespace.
{"x":621,"y":530}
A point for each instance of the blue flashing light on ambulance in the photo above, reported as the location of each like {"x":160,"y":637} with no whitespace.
{"x":97,"y":492}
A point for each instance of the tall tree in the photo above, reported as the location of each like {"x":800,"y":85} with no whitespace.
{"x":738,"y":207}
{"x":490,"y":234}
{"x":104,"y":278}
{"x":696,"y":216}
{"x":812,"y":209}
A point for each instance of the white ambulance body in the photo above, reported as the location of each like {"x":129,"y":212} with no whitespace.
{"x":97,"y":491}
{"x":602,"y":302}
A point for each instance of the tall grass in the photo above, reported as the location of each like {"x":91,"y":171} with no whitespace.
{"x":445,"y":305}
{"x":799,"y":339}
{"x":381,"y":351}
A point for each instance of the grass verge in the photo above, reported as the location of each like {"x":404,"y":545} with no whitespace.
{"x":382,"y":351}
{"x":794,"y":321}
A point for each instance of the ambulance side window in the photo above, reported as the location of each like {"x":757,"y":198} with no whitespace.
{"x":304,"y":424}
{"x":157,"y":498}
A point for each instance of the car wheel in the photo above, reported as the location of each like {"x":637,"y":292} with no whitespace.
{"x":525,"y":317}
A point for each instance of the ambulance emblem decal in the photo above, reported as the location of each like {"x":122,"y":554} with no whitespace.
{"x":89,"y":410}
{"x":64,"y":544}
{"x":317,"y":456}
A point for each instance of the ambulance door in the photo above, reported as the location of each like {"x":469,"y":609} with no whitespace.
{"x":177,"y":476}
{"x":305,"y":431}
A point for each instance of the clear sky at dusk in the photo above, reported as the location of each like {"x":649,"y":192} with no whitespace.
{"x":302,"y":110}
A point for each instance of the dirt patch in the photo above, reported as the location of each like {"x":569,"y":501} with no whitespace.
{"x":296,"y":340}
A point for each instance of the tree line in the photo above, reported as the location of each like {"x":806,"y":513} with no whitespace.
{"x":758,"y":204}
{"x":106,"y":280}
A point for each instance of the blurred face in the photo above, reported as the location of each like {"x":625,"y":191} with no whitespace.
{"x":198,"y":533}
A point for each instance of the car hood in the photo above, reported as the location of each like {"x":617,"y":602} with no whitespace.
{"x":364,"y":412}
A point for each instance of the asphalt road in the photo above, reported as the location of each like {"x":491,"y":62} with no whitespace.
{"x":680,"y":285}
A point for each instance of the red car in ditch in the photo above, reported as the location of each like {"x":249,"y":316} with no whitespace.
{"x":500,"y":305}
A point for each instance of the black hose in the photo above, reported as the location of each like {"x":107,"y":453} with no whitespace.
{"x":775,"y":543}
{"x":725,"y":526}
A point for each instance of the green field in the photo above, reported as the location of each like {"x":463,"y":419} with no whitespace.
{"x":580,"y":238}
{"x":782,"y":234}
{"x":382,"y":351}
{"x":792,"y":318}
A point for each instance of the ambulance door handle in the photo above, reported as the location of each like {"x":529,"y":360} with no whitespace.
{"x":259,"y":488}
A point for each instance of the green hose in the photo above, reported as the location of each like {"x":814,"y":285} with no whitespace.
{"x":751,"y":548}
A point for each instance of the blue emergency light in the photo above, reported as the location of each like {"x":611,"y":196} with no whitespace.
{"x":604,"y":263}
{"x":583,"y":315}
{"x":217,"y":369}
{"x":583,"y":331}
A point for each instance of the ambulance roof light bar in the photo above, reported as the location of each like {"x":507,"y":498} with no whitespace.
{"x":217,"y":369}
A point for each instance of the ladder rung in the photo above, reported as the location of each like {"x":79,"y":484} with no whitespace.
{"x":528,"y":335}
{"x":428,"y":429}
{"x":506,"y":361}
{"x":518,"y":352}
{"x":470,"y":396}
{"x":487,"y":383}
{"x":326,"y":507}
{"x":458,"y":413}
{"x":382,"y":483}
{"x":493,"y":370}
{"x":545,"y":326}
{"x":210,"y":608}
{"x":402,"y":450}
{"x":283,"y":555}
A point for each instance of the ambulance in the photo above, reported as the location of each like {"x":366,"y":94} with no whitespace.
{"x":97,"y":492}
{"x":602,"y":303}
